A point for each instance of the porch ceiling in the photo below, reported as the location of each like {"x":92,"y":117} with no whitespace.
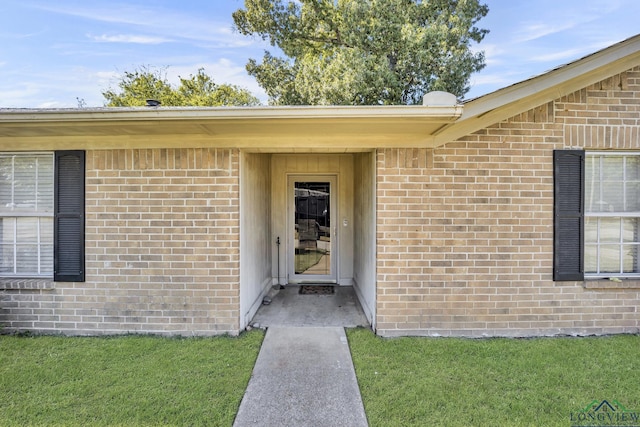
{"x":263,"y":129}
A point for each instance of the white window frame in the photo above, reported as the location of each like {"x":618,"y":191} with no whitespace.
{"x":11,"y":212}
{"x":598,"y":216}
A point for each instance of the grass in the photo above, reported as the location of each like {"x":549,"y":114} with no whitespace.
{"x":492,"y":382}
{"x":307,"y":259}
{"x":151,"y":381}
{"x":130,"y":380}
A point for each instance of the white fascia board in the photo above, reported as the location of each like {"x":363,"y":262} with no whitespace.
{"x":226,"y":113}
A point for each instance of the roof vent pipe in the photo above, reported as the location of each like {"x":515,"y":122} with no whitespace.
{"x":439,"y":99}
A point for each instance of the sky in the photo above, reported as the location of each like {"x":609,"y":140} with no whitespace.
{"x":65,"y":53}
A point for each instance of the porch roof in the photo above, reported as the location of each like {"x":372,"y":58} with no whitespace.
{"x":263,"y":129}
{"x":303,"y":129}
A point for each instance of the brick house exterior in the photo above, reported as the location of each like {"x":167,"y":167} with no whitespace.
{"x":447,"y":215}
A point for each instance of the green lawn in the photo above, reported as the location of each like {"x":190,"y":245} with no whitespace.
{"x":128,"y":381}
{"x":492,"y":382}
{"x":149,"y":381}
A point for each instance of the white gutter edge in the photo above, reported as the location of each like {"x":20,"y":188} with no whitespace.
{"x":227,"y":113}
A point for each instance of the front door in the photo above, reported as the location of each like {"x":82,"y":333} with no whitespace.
{"x":312,"y":233}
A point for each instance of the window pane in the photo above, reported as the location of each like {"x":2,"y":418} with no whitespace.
{"x":46,"y":230}
{"x":612,"y":168}
{"x":632,"y":197}
{"x":590,"y":259}
{"x":46,"y":246}
{"x":609,"y":259}
{"x":632,"y":168}
{"x":612,"y":186}
{"x":7,"y":235}
{"x":592,"y":166}
{"x":26,"y":187}
{"x":630,"y":258}
{"x":592,"y":197}
{"x":603,"y":253}
{"x":612,"y":197}
{"x":27,"y":259}
{"x":26,"y":182}
{"x":45,"y":184}
{"x":6,"y":182}
{"x":630,"y":229}
{"x":46,"y":260}
{"x":27,"y":230}
{"x":7,"y":230}
{"x":6,"y":259}
{"x":609,"y":230}
{"x":590,"y":230}
{"x":24,"y":193}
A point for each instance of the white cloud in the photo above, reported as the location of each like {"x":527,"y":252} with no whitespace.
{"x":18,"y":36}
{"x":550,"y":17}
{"x":165,"y":23}
{"x":52,"y":104}
{"x":128,"y":38}
{"x":18,"y":95}
{"x":560,"y":56}
{"x":106,"y":76}
{"x":535,"y":31}
{"x":564,"y":55}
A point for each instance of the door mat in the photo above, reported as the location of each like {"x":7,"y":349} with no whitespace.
{"x":316,"y":290}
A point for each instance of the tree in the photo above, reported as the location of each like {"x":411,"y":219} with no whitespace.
{"x":363,"y":52}
{"x":197,"y":90}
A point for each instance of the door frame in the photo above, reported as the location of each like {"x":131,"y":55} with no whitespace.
{"x":292,"y":277}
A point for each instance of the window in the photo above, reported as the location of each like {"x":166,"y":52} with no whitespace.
{"x":596,"y":214}
{"x":42,"y":215}
{"x":26,"y":215}
{"x":612,"y":214}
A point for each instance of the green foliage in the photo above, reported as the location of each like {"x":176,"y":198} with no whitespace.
{"x":491,"y":382}
{"x":197,"y":90}
{"x":126,"y":381}
{"x":363,"y":52}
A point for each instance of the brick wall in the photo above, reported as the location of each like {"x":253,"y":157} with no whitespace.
{"x":162,"y":249}
{"x":465,"y":231}
{"x":464,"y":235}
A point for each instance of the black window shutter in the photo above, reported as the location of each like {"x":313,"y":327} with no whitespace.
{"x":568,"y":221}
{"x":68,"y":229}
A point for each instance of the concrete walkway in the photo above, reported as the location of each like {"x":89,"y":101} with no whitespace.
{"x":304,"y":376}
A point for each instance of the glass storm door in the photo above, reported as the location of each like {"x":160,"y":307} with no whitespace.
{"x":312,"y":233}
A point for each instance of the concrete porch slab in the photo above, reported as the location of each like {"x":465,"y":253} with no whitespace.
{"x":289,"y":308}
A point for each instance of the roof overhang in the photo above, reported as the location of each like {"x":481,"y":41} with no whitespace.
{"x":267,"y":129}
{"x":497,"y":106}
{"x":305,"y":129}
